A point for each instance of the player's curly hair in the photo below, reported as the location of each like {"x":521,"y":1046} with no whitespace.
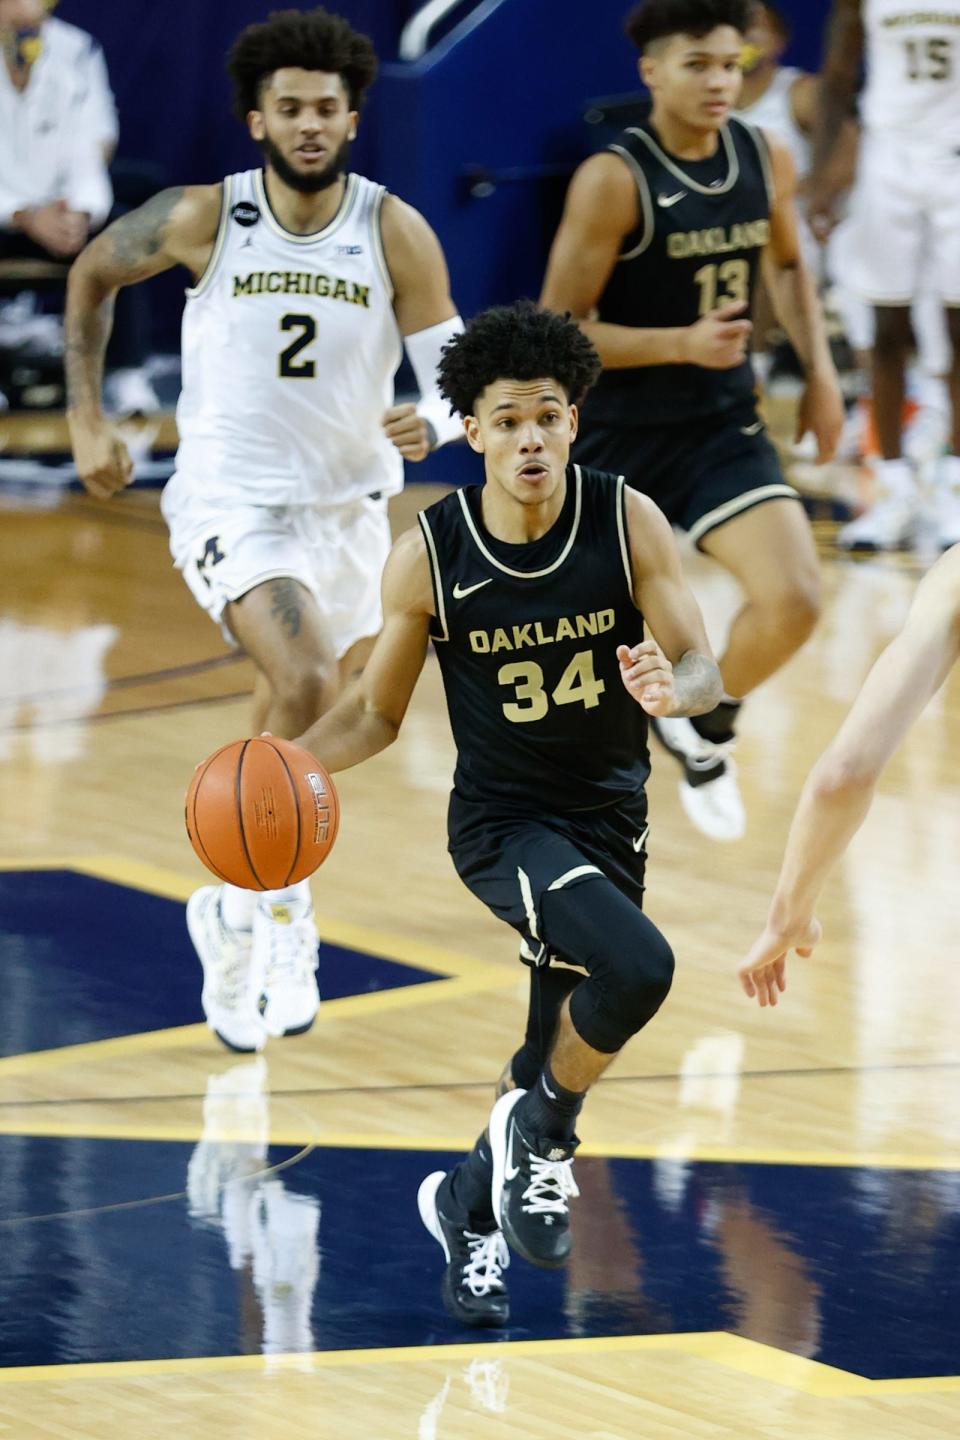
{"x":309,"y":40}
{"x":516,"y":342}
{"x":656,"y":19}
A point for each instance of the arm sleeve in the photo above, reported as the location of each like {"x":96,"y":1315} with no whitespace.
{"x":424,"y":347}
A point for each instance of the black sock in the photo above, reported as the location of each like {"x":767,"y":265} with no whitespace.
{"x":719,"y":725}
{"x":550,"y":1109}
{"x":470,"y":1186}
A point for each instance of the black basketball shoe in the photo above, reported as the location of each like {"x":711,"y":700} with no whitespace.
{"x":532,"y":1182}
{"x":472,"y":1289}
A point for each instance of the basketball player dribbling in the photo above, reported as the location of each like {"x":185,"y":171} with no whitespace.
{"x":839,"y":789}
{"x":904,"y":220}
{"x":657,"y":254}
{"x":535,"y":588}
{"x":305,"y":278}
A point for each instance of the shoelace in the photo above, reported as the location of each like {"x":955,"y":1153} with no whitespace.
{"x":233,"y":972}
{"x":548,"y":1176}
{"x":293,"y":950}
{"x":489,"y":1257}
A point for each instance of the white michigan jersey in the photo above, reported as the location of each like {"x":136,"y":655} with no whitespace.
{"x":913,"y":69}
{"x":290,"y":346}
{"x":773,"y":112}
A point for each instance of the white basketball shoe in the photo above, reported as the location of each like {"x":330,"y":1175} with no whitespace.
{"x":232,"y":981}
{"x":890,"y":523}
{"x":285,"y":951}
{"x":708,"y":788}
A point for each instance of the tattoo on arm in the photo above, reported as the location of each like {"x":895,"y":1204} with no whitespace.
{"x":286,"y":605}
{"x":696,"y":683}
{"x":123,"y":254}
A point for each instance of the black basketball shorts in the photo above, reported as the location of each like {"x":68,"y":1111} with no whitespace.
{"x":511,"y":862}
{"x":701,"y":473}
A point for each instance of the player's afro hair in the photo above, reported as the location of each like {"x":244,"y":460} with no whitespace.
{"x":516,"y":342}
{"x":657,"y":19}
{"x":308,"y":40}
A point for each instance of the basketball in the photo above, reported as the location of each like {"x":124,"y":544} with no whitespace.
{"x":262,"y":813}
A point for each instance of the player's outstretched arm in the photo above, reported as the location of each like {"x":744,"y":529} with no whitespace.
{"x":178,"y":226}
{"x":601,"y":210}
{"x":794,"y":297}
{"x":427,"y":319}
{"x":839,"y":78}
{"x":839,"y":789}
{"x":674,"y":673}
{"x":367,"y":717}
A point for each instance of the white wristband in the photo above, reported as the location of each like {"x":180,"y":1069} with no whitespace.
{"x":424,"y":348}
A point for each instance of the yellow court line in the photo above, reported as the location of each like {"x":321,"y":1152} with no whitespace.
{"x":347,"y":1007}
{"x":33,"y":1123}
{"x":170,"y":885}
{"x":716,"y":1347}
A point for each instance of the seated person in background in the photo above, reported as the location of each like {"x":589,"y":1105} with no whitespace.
{"x":58,"y":129}
{"x":58,"y":132}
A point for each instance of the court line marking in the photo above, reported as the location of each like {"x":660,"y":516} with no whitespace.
{"x":717,"y":1347}
{"x":320,"y":1138}
{"x":172,"y":885}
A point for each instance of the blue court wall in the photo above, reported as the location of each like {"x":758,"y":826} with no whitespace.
{"x":481,"y":134}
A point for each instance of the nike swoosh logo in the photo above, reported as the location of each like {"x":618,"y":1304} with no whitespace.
{"x":460,"y":592}
{"x":667,"y":200}
{"x":639,"y":841}
{"x":510,"y":1171}
{"x":751,"y":429}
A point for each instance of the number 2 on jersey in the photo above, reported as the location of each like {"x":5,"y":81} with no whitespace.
{"x":531,"y":702}
{"x":303,"y":369}
{"x":733,"y":275}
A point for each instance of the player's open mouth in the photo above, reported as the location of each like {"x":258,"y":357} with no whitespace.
{"x":533,"y":472}
{"x":310,"y":152}
{"x":716,"y":107}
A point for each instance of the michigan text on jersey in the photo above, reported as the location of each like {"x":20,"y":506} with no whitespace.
{"x":301,"y":282}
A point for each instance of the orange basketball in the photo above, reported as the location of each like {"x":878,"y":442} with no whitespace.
{"x":262,"y":813}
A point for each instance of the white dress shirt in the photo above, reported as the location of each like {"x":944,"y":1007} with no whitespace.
{"x":53,"y":133}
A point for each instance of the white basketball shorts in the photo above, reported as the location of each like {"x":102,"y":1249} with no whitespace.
{"x":336,"y":552}
{"x":905,"y":221}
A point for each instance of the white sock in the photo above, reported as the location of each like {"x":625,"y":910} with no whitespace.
{"x":293,"y":901}
{"x":237,"y":906}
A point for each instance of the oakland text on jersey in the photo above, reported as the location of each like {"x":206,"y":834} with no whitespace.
{"x":540,"y":632}
{"x":718,"y":239}
{"x":301,"y":282}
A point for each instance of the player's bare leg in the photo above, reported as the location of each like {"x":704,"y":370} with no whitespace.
{"x":770,"y":550}
{"x":891,"y":519}
{"x":279,"y":625}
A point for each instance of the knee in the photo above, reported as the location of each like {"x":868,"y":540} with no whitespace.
{"x":304,"y":691}
{"x":623,"y":995}
{"x":793,"y":609}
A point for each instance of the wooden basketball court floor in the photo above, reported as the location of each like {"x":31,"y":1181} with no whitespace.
{"x":194,"y":1242}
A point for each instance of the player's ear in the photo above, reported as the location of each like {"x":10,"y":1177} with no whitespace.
{"x":474,"y":438}
{"x":352,"y":130}
{"x":574,"y":414}
{"x":647,"y":68}
{"x":255,"y":124}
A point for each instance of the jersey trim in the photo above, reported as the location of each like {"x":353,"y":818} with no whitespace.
{"x":763,"y":150}
{"x":376,"y":231}
{"x":526,"y":895}
{"x":646,"y":204}
{"x":346,"y":205}
{"x":527,"y":574}
{"x":736,"y":506}
{"x":209,"y":270}
{"x":622,"y":533}
{"x":733,"y":162}
{"x":435,"y":577}
{"x":576,"y":874}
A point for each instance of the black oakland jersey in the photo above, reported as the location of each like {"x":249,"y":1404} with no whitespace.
{"x":527,"y":636}
{"x":703,"y":227}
